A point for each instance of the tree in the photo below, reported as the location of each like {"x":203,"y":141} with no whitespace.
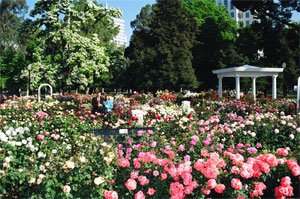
{"x":11,"y":15}
{"x":280,"y":11}
{"x":215,"y":41}
{"x":160,"y":48}
{"x":271,"y":35}
{"x":64,"y":57}
{"x":103,"y":24}
{"x":12,"y":58}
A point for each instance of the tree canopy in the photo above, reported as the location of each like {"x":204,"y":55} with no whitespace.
{"x":160,"y":48}
{"x":65,"y":57}
{"x":11,"y":15}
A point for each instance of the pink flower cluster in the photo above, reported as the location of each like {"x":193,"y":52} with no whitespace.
{"x":282,"y":151}
{"x":285,"y":189}
{"x":254,"y":166}
{"x":259,"y":187}
{"x":184,"y":171}
{"x":212,"y":184}
{"x":123,"y":162}
{"x":110,"y":194}
{"x":210,"y":168}
{"x":293,"y":165}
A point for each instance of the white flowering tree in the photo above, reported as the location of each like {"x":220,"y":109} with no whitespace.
{"x":65,"y":57}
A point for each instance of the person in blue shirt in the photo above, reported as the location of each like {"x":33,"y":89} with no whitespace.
{"x":107,"y":104}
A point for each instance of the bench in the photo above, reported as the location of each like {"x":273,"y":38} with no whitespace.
{"x":119,"y":134}
{"x":65,"y":99}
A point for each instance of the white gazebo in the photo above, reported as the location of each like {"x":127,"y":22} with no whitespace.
{"x":247,"y":71}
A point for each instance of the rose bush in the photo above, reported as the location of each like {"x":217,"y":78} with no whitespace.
{"x":219,"y":149}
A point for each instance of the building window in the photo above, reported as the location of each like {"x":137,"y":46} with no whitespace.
{"x":225,"y":3}
{"x":247,"y":14}
{"x":240,"y":15}
{"x":219,"y":2}
{"x":232,"y":14}
{"x":241,"y":24}
{"x":231,"y":6}
{"x":247,"y":23}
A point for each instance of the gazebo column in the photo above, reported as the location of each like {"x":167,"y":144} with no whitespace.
{"x":220,"y":86}
{"x":237,"y":87}
{"x":274,"y":89}
{"x":254,"y":88}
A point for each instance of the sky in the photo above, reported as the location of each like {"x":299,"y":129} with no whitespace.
{"x":131,"y":8}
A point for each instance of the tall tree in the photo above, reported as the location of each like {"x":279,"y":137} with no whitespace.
{"x":12,"y":58}
{"x":65,"y":57}
{"x":280,"y":11}
{"x":103,"y":24}
{"x":11,"y":15}
{"x":215,"y":40}
{"x":163,"y":59}
{"x":272,"y":37}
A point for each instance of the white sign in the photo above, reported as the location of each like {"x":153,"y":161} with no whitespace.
{"x":140,"y":115}
{"x":186,"y":105}
{"x":123,"y":131}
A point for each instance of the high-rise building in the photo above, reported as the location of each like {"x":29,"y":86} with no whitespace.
{"x":120,"y":39}
{"x":242,"y":18}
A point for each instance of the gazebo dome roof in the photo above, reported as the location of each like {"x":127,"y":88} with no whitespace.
{"x":247,"y":71}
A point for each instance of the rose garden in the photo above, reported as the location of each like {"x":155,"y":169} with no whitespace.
{"x":180,"y":130}
{"x":223,"y":148}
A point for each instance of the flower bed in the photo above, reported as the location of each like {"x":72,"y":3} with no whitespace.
{"x":224,"y":149}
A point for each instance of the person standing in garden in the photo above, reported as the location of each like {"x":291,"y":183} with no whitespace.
{"x":97,"y":103}
{"x":107,"y":104}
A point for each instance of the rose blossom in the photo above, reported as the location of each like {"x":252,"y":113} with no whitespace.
{"x":40,"y":137}
{"x":139,"y":195}
{"x":236,"y":184}
{"x":151,"y":191}
{"x":110,"y":194}
{"x":220,"y":188}
{"x":99,"y":180}
{"x":123,"y":162}
{"x":66,"y":189}
{"x":130,"y":184}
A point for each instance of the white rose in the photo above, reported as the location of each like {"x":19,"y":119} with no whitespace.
{"x":99,"y":180}
{"x":66,"y":189}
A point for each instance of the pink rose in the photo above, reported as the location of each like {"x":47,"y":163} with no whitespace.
{"x":286,"y":181}
{"x":205,"y":191}
{"x":130,"y":184}
{"x":220,"y":188}
{"x":206,"y":142}
{"x":110,"y":195}
{"x":153,"y":144}
{"x":143,"y":180}
{"x":40,"y":137}
{"x":140,"y":132}
{"x":155,"y":173}
{"x":211,"y":184}
{"x":236,"y":184}
{"x":139,"y":195}
{"x":151,"y":191}
{"x":123,"y":162}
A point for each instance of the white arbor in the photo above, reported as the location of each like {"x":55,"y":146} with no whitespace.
{"x":248,"y":71}
{"x":39,"y":91}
